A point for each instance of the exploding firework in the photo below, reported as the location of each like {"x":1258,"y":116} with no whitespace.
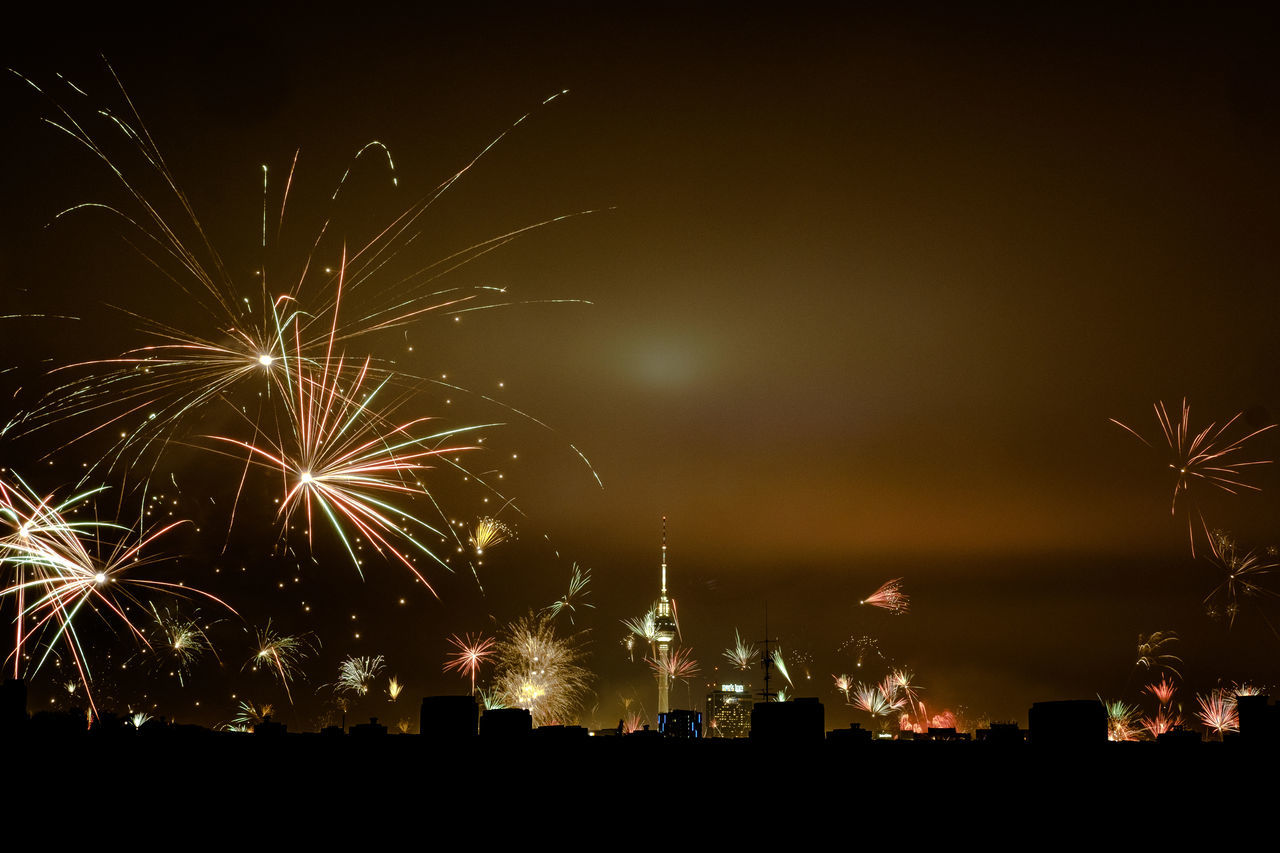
{"x":575,"y":597}
{"x":539,"y":671}
{"x":1241,"y":573}
{"x":843,"y":684}
{"x":178,"y":641}
{"x":281,"y":655}
{"x":863,"y":647}
{"x":875,"y":699}
{"x":394,"y":688}
{"x":489,"y":533}
{"x":1218,"y":712}
{"x":471,"y":653}
{"x":62,"y":569}
{"x":1151,"y":654}
{"x":889,"y":597}
{"x":1163,"y":691}
{"x":678,"y":665}
{"x":643,"y":628}
{"x":1210,"y":457}
{"x":249,"y":715}
{"x":781,"y":665}
{"x":1122,"y":721}
{"x":742,"y":654}
{"x":356,"y":675}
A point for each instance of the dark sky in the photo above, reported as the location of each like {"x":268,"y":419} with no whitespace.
{"x":866,"y":289}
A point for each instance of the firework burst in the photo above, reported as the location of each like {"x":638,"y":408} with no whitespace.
{"x":1211,"y":457}
{"x":1241,"y":575}
{"x":489,"y":533}
{"x":281,"y":655}
{"x":471,"y":652}
{"x":1151,"y":654}
{"x":678,"y":665}
{"x":741,"y":654}
{"x":575,"y":597}
{"x":1218,"y":712}
{"x":889,"y":597}
{"x":539,"y":671}
{"x":357,"y":674}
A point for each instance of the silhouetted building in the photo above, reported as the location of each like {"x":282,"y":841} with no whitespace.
{"x":370,"y":729}
{"x":801,"y":720}
{"x":449,"y":717}
{"x":729,"y":711}
{"x":854,"y":734}
{"x":1001,"y":734}
{"x":1072,"y":722}
{"x":561,"y":733}
{"x":681,"y":724}
{"x":1259,"y":720}
{"x":506,"y":723}
{"x":1179,"y":736}
{"x":269,"y":728}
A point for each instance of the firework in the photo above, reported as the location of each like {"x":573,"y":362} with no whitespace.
{"x":1122,"y":721}
{"x":889,"y":597}
{"x":62,"y":569}
{"x":356,"y":675}
{"x":742,"y":654}
{"x":489,"y":533}
{"x":843,"y":684}
{"x":874,"y":699}
{"x":490,"y":701}
{"x":344,"y":459}
{"x":1218,"y":712}
{"x":471,"y":653}
{"x":539,"y":671}
{"x":644,"y":628}
{"x":178,"y":641}
{"x":249,"y":715}
{"x":1241,"y":571}
{"x":781,"y":665}
{"x":394,"y":688}
{"x":862,"y":647}
{"x":1210,"y":457}
{"x":281,"y":654}
{"x":574,"y":597}
{"x":1150,"y":654}
{"x":138,"y":719}
{"x":679,"y":664}
{"x":1163,"y":691}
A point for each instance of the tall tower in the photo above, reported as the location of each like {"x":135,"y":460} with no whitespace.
{"x":664,"y":630}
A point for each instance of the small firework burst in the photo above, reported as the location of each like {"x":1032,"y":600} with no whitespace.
{"x":679,"y":665}
{"x":1122,"y":721}
{"x":470,"y":653}
{"x":357,"y":674}
{"x":280,"y":654}
{"x":1241,"y":575}
{"x":249,"y":714}
{"x":1210,"y":457}
{"x":575,"y":597}
{"x":489,"y":533}
{"x":1218,"y":712}
{"x":890,"y":597}
{"x":643,"y":628}
{"x":741,"y":654}
{"x":1151,"y":654}
{"x":178,"y":641}
{"x":394,"y":688}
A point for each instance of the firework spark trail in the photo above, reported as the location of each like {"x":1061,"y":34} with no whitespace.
{"x":574,"y":597}
{"x":1241,"y":572}
{"x":1150,"y":654}
{"x":1209,"y":457}
{"x":781,"y":666}
{"x":357,"y":674}
{"x":282,"y":654}
{"x":742,"y":654}
{"x":890,"y":597}
{"x":394,"y":688}
{"x":249,"y":715}
{"x":471,"y":652}
{"x":539,"y":671}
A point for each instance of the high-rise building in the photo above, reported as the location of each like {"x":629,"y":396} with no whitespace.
{"x":664,"y":631}
{"x":729,"y":711}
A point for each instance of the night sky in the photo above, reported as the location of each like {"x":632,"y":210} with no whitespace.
{"x":865,"y":290}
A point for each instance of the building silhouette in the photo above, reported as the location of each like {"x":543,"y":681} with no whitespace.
{"x":664,"y":624}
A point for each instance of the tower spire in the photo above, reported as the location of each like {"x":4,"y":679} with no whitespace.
{"x":664,"y":631}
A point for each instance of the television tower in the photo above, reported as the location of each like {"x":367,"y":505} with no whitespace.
{"x":664,"y":631}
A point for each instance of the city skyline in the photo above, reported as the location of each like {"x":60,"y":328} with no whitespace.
{"x":849,"y":297}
